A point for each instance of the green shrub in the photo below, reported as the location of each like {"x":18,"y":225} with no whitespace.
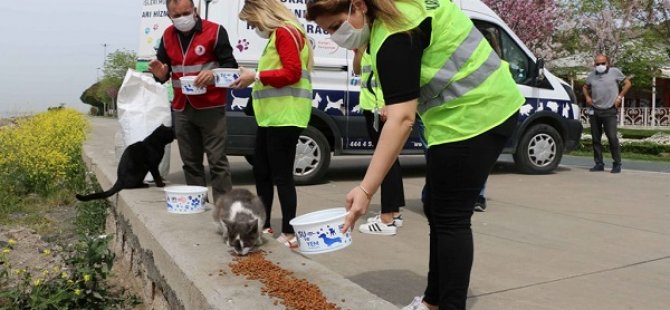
{"x":632,"y":147}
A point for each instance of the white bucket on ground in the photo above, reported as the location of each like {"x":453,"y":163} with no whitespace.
{"x":185,"y":199}
{"x":188,"y":86}
{"x":223,"y":77}
{"x":319,"y":232}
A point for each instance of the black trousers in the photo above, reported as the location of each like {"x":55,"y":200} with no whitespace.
{"x":199,"y":132}
{"x":456,"y":173}
{"x":605,"y":120}
{"x":392,"y":190}
{"x":273,"y":166}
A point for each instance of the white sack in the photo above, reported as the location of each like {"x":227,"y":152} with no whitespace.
{"x":143,"y":105}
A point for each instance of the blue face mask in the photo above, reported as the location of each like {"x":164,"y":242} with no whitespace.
{"x":348,"y":37}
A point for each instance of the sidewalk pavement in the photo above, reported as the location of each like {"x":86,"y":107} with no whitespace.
{"x":568,"y":240}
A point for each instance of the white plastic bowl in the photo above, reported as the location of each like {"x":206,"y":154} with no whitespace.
{"x":185,"y":199}
{"x":319,"y":232}
{"x":188,"y":86}
{"x":223,"y":77}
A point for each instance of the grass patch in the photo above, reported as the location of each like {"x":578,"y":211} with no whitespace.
{"x":633,"y":133}
{"x":624,"y":155}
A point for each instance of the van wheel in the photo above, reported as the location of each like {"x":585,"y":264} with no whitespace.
{"x":540,"y":150}
{"x":312,"y":157}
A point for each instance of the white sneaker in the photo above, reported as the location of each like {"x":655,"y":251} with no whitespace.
{"x":378,"y":228}
{"x":417,"y":304}
{"x":396,"y":219}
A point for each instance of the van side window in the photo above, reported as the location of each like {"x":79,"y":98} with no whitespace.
{"x":507,"y":49}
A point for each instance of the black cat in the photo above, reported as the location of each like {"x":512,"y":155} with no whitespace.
{"x":138,"y":159}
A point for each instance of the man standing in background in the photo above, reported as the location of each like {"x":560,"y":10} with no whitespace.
{"x":602,"y":95}
{"x":193,"y":47}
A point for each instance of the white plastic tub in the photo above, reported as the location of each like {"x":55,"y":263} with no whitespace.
{"x":185,"y":199}
{"x":319,"y":232}
{"x":223,"y":77}
{"x":188,"y":86}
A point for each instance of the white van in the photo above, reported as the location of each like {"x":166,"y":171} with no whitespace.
{"x":548,"y":123}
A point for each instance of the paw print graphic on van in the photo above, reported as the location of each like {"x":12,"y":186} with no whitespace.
{"x":242,"y":45}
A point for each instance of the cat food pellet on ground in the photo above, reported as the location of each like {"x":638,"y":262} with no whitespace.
{"x":295,"y":294}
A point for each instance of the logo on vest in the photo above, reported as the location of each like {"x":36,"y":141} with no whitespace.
{"x":200,"y":50}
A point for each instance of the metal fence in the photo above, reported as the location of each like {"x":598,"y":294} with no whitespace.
{"x":642,"y":117}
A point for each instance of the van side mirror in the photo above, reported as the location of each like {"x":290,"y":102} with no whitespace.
{"x":539,"y":74}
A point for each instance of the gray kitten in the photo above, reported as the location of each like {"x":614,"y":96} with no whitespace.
{"x":240,"y":216}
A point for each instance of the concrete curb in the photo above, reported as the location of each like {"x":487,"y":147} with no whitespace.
{"x":180,"y":257}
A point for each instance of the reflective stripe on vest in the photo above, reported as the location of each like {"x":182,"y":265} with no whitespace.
{"x":460,"y":87}
{"x":195,"y":68}
{"x":286,"y":91}
{"x":366,"y":70}
{"x":456,"y":61}
{"x":282,"y":92}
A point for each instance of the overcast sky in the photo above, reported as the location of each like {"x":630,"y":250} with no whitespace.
{"x":50,"y":49}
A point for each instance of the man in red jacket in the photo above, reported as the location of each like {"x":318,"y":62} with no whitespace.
{"x":193,"y":47}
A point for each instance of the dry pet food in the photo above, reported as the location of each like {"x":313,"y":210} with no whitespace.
{"x":295,"y":294}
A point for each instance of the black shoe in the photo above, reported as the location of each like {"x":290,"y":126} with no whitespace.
{"x":598,"y":167}
{"x":616,"y":168}
{"x":480,"y":204}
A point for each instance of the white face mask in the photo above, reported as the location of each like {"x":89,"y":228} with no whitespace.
{"x":184,"y":23}
{"x":601,"y":68}
{"x":262,"y":33}
{"x":348,"y":37}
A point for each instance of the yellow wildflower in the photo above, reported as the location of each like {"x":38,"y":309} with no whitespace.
{"x":45,"y":272}
{"x":87,"y":277}
{"x":37,"y":282}
{"x":77,"y":292}
{"x":6,"y":250}
{"x":64,"y":275}
{"x":46,"y":252}
{"x":11,"y":241}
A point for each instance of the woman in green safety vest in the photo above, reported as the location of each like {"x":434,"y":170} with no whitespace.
{"x":282,"y":104}
{"x":371,"y":104}
{"x":429,"y":58}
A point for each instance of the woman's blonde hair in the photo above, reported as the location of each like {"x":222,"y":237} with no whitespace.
{"x":269,"y":15}
{"x":384,"y":10}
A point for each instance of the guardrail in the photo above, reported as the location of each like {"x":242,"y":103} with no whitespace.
{"x":642,"y":117}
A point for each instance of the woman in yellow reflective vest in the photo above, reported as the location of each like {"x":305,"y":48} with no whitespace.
{"x":429,"y":58}
{"x":282,"y":104}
